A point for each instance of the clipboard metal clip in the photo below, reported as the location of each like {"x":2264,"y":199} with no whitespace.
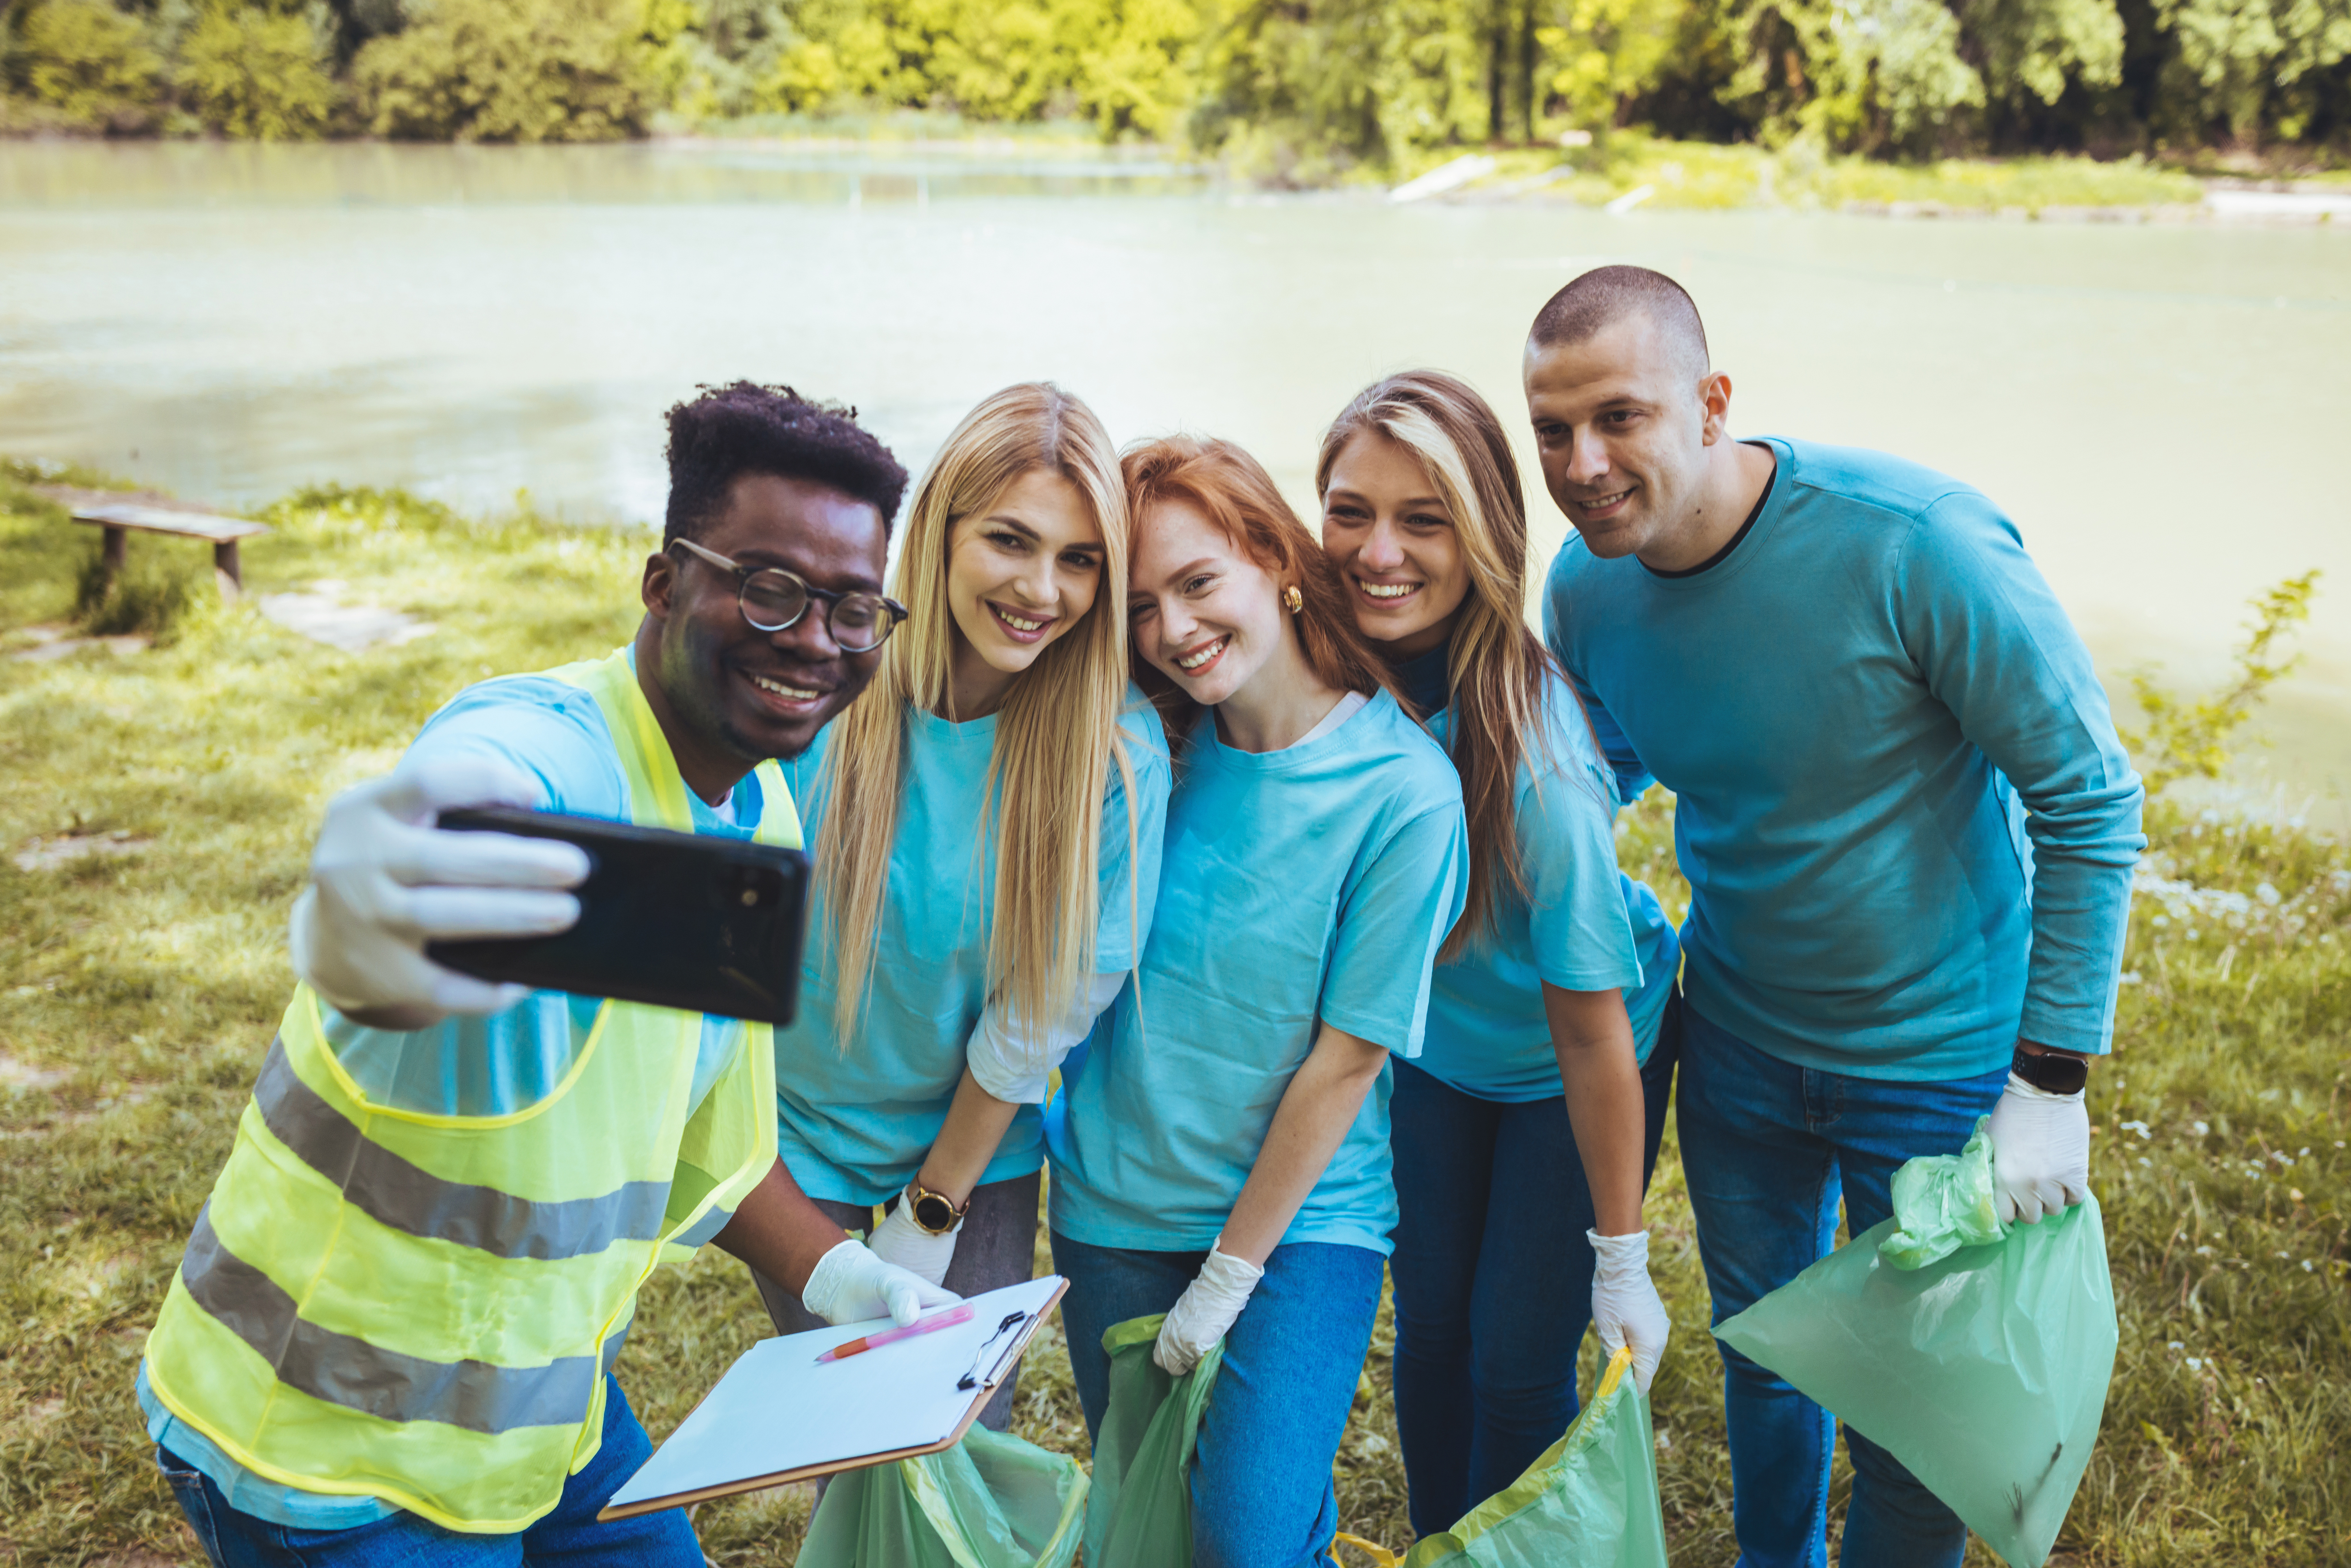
{"x":995,"y":1375}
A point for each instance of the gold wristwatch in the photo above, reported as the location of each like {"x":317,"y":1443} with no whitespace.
{"x":932,"y":1209}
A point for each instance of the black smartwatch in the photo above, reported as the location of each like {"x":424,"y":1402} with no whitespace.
{"x":2051,"y":1072}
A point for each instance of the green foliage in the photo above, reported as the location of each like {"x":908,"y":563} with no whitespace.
{"x":1607,"y":52}
{"x":1861,"y":75}
{"x":2037,"y":46}
{"x":87,"y":61}
{"x":511,"y":70}
{"x":2182,"y":738}
{"x":150,"y":596}
{"x":257,"y":76}
{"x":2237,"y":59}
{"x":1291,"y":91}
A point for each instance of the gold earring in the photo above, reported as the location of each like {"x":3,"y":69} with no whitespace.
{"x":1292,"y":600}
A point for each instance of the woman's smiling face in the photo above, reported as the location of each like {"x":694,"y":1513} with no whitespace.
{"x":1200,"y":611}
{"x":1393,"y":537}
{"x":1024,"y":570}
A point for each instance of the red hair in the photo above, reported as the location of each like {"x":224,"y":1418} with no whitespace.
{"x":1237,"y":494}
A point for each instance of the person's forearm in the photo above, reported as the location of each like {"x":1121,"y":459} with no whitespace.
{"x":1594,"y":1041}
{"x":779,"y":1231}
{"x":1316,"y":1110}
{"x":967,"y":1141}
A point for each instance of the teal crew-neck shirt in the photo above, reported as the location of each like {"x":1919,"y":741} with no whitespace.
{"x":1298,"y":887}
{"x":1907,"y":821}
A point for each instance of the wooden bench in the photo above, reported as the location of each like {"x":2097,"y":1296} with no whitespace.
{"x":118,"y":517}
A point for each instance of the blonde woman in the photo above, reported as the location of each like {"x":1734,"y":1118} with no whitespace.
{"x":1526,"y":1129}
{"x":1221,"y":1153}
{"x":987,"y":824}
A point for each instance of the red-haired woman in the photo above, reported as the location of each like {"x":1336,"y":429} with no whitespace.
{"x":1526,"y":1129}
{"x":1221,"y":1155}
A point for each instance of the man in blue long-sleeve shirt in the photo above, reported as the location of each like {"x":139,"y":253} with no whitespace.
{"x":1907,"y":822}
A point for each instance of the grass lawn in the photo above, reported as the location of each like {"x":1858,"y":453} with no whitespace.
{"x":161,"y":802}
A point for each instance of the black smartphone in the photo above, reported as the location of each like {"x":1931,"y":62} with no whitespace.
{"x":680,"y":920}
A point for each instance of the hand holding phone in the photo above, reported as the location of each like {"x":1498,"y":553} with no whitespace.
{"x":690,"y":921}
{"x":384,"y":882}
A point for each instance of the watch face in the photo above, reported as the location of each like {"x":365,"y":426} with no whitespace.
{"x":934,"y":1213}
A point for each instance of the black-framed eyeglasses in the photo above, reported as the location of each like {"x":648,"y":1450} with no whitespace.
{"x":772,"y":599}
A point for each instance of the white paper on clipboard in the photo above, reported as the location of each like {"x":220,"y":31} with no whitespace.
{"x":777,"y":1409}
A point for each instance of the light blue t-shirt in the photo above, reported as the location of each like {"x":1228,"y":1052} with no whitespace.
{"x":1583,"y":925}
{"x":1306,"y":886}
{"x":1865,"y":710}
{"x":854,"y":1126}
{"x":477,"y":1066}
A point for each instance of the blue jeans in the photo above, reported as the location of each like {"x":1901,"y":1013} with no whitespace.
{"x":1261,"y":1493}
{"x":1767,"y":1147}
{"x":1493,"y":1280}
{"x":570,"y":1535}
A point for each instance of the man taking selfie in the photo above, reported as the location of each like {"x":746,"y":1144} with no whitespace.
{"x":392,"y":1337}
{"x":1907,"y":821}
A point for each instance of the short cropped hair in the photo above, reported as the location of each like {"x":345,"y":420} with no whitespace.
{"x":747,"y":428}
{"x":1606,"y":295}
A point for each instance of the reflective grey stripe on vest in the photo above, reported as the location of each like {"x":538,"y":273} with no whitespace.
{"x":342,"y":1370}
{"x":405,"y":1197}
{"x":699,"y":1233}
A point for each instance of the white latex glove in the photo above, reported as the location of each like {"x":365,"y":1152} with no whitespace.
{"x":1205,"y":1312}
{"x":851,"y":1285}
{"x":384,"y":880}
{"x":2039,"y":1151}
{"x":1625,"y":1306}
{"x":899,"y":1240}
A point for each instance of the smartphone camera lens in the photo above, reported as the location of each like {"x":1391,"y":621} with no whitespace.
{"x":752,"y":887}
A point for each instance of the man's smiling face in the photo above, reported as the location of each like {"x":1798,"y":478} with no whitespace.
{"x":1622,"y":427}
{"x":749,"y":694}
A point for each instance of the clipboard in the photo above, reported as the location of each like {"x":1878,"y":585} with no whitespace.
{"x":778,"y":1413}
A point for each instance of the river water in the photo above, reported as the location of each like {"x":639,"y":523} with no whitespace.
{"x":2160,"y":407}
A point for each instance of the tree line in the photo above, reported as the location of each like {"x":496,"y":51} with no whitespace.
{"x":1306,"y":89}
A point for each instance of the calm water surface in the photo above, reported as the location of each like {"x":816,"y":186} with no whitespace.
{"x":2161,"y":408}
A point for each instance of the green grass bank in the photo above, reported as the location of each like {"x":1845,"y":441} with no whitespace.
{"x":156,"y":806}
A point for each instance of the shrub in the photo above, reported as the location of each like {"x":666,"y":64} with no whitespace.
{"x":152,"y":593}
{"x":88,"y":62}
{"x":250,"y":74}
{"x":511,"y":70}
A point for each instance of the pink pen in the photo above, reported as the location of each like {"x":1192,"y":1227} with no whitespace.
{"x":948,"y":1318}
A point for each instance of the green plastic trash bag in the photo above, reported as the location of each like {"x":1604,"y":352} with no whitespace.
{"x":1977,"y":1355}
{"x":990,"y":1501}
{"x":1590,"y":1501}
{"x":1139,"y":1514}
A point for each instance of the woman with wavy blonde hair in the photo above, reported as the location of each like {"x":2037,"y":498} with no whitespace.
{"x":988,"y":823}
{"x":1526,"y":1129}
{"x":1228,"y":1167}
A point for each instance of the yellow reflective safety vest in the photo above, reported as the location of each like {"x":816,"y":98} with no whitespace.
{"x":421,"y":1308}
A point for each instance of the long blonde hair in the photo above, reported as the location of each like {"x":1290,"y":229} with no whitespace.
{"x":1495,"y":671}
{"x":1057,"y":735}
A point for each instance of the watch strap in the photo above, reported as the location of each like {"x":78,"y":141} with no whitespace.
{"x":919,"y":1198}
{"x":2051,"y":1072}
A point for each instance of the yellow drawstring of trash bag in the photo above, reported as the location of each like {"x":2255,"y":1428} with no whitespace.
{"x":1590,"y":1501}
